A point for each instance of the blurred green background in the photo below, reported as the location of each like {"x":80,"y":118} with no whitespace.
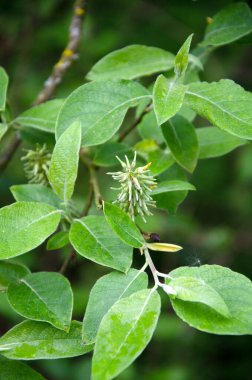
{"x":214,"y":224}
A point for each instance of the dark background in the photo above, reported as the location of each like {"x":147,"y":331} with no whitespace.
{"x":213,"y":224}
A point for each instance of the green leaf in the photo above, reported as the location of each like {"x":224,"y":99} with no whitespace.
{"x":175,"y":185}
{"x":4,"y":80}
{"x":235,"y":290}
{"x":42,"y":117}
{"x":149,"y":129}
{"x":100,"y":107}
{"x":181,"y":138}
{"x":132,"y":62}
{"x":124,"y":333}
{"x":160,"y":161}
{"x":11,"y":271}
{"x":106,"y":154}
{"x":93,"y":238}
{"x":35,"y":193}
{"x":168,"y":98}
{"x":106,"y":291}
{"x":214,"y":142}
{"x":50,"y":298}
{"x":24,"y":226}
{"x":15,"y":370}
{"x":230,"y":24}
{"x":174,"y":198}
{"x":57,"y":241}
{"x":182,"y":57}
{"x":196,"y":290}
{"x":146,"y":146}
{"x":177,"y":190}
{"x":123,"y":226}
{"x":64,"y":163}
{"x":32,"y":340}
{"x":3,"y":130}
{"x":225,"y":104}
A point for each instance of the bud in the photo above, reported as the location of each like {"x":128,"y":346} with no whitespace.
{"x":136,"y":185}
{"x":164,"y":247}
{"x":36,"y":164}
{"x":168,"y":289}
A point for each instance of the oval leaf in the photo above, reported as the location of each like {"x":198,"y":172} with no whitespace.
{"x":106,"y":291}
{"x":124,"y":333}
{"x":132,"y":62}
{"x":32,"y":340}
{"x":14,"y":370}
{"x":100,"y":107}
{"x":10,"y":272}
{"x":50,"y":298}
{"x":24,"y":226}
{"x":230,"y":24}
{"x":214,"y":142}
{"x":42,"y":117}
{"x":64,"y":163}
{"x":168,"y":98}
{"x":35,"y":193}
{"x":123,"y":226}
{"x":225,"y":104}
{"x":174,"y":185}
{"x":233,"y":288}
{"x":58,"y":240}
{"x":197,"y":290}
{"x":182,"y":141}
{"x":93,"y":238}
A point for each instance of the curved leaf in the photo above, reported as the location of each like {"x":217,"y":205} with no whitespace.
{"x":234,"y":289}
{"x":225,"y":104}
{"x":32,"y":340}
{"x":100,"y":107}
{"x":64,"y":163}
{"x":124,"y":333}
{"x":132,"y":62}
{"x":93,"y":238}
{"x":42,"y":117}
{"x":123,"y":226}
{"x":106,"y":291}
{"x":50,"y":298}
{"x":10,"y":272}
{"x":228,"y":25}
{"x":24,"y":226}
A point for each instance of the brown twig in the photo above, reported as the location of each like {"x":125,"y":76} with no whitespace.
{"x":9,"y":151}
{"x":68,"y":55}
{"x":137,"y":121}
{"x":66,"y":262}
{"x":89,"y":201}
{"x":93,"y":179}
{"x":65,"y":61}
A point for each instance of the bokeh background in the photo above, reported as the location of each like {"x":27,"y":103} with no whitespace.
{"x":214,"y":224}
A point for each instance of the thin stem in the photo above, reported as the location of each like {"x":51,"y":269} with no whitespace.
{"x":9,"y":151}
{"x":89,"y":201}
{"x":138,"y":120}
{"x":66,"y":262}
{"x":160,"y":274}
{"x":151,"y":266}
{"x":93,"y":179}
